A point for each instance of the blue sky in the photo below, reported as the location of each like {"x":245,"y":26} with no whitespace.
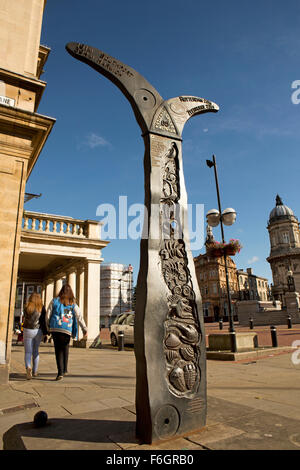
{"x":244,"y":56}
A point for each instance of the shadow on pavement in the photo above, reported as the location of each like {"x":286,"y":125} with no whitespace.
{"x":81,"y":430}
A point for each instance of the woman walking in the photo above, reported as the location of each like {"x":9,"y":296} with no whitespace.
{"x":61,"y":319}
{"x":34,"y":327}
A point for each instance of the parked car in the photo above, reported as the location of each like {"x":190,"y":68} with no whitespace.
{"x":124,"y":322}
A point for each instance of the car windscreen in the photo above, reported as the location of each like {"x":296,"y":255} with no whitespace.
{"x":120,"y":319}
{"x":129,"y":320}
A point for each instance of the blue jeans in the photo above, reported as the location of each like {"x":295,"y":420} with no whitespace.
{"x":32,"y":339}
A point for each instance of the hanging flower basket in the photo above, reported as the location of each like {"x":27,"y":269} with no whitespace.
{"x":230,"y":250}
{"x":216,"y":249}
{"x":216,"y":252}
{"x":233,"y":247}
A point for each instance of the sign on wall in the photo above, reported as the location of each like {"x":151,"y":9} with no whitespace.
{"x":7,"y":101}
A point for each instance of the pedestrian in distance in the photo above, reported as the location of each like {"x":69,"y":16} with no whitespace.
{"x":62,"y":319}
{"x":34,"y":328}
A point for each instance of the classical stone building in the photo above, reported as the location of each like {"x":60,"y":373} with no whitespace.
{"x":284,"y":257}
{"x":210,"y":272}
{"x":54,"y":250}
{"x":244,"y":285}
{"x":252,"y":287}
{"x":23,"y":133}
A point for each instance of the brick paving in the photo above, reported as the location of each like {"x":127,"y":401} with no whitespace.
{"x":285,"y":336}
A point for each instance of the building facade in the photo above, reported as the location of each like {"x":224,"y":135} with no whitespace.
{"x":55,"y":250}
{"x":211,"y":276}
{"x":252,"y":287}
{"x":284,"y":257}
{"x":23,"y":133}
{"x":116,"y":291}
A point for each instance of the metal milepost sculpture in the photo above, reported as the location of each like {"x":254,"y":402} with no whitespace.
{"x":169,"y":335}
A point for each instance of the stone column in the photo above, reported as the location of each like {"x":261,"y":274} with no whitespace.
{"x":49,"y":292}
{"x":43,"y":293}
{"x":92,"y":299}
{"x":12,"y":188}
{"x":80,"y":294}
{"x":71,"y":279}
{"x":57,"y":286}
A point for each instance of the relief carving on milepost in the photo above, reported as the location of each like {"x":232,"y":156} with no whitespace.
{"x":182,"y":331}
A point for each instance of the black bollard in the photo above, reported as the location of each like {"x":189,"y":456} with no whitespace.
{"x":233,"y":341}
{"x":221,"y":324}
{"x":251,"y":323}
{"x":289,"y":321}
{"x":274,"y":336}
{"x":121,"y":341}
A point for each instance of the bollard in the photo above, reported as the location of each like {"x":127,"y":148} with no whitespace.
{"x":221,"y":324}
{"x":233,"y":341}
{"x":251,"y":323}
{"x":121,"y":341}
{"x":289,"y":321}
{"x":274,"y":336}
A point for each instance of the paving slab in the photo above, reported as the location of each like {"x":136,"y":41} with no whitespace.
{"x":252,"y":404}
{"x":234,"y":427}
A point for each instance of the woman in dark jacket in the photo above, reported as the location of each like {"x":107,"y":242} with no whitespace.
{"x":34,"y":328}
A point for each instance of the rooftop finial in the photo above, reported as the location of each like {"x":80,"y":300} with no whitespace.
{"x":279,"y":201}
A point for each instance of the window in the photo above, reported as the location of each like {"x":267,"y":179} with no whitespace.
{"x":129,"y":320}
{"x":285,"y":237}
{"x":214,"y":288}
{"x":119,"y":320}
{"x":206,"y":309}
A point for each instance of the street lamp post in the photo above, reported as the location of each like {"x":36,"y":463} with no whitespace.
{"x":120,"y":280}
{"x":228,"y":217}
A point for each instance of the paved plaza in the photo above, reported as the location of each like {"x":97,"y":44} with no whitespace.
{"x":251,"y":404}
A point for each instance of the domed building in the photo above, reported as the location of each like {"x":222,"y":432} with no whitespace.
{"x":284,"y":258}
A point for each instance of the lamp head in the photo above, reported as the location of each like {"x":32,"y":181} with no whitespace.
{"x":209,"y":163}
{"x":213,"y":217}
{"x":228,"y":216}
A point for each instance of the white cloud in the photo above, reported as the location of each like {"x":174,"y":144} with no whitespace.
{"x":94,"y":140}
{"x":253,"y":260}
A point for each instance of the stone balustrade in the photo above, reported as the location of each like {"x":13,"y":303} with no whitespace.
{"x":60,"y":225}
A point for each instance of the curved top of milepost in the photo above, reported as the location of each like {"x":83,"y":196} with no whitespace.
{"x":151,"y":111}
{"x":142,"y":96}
